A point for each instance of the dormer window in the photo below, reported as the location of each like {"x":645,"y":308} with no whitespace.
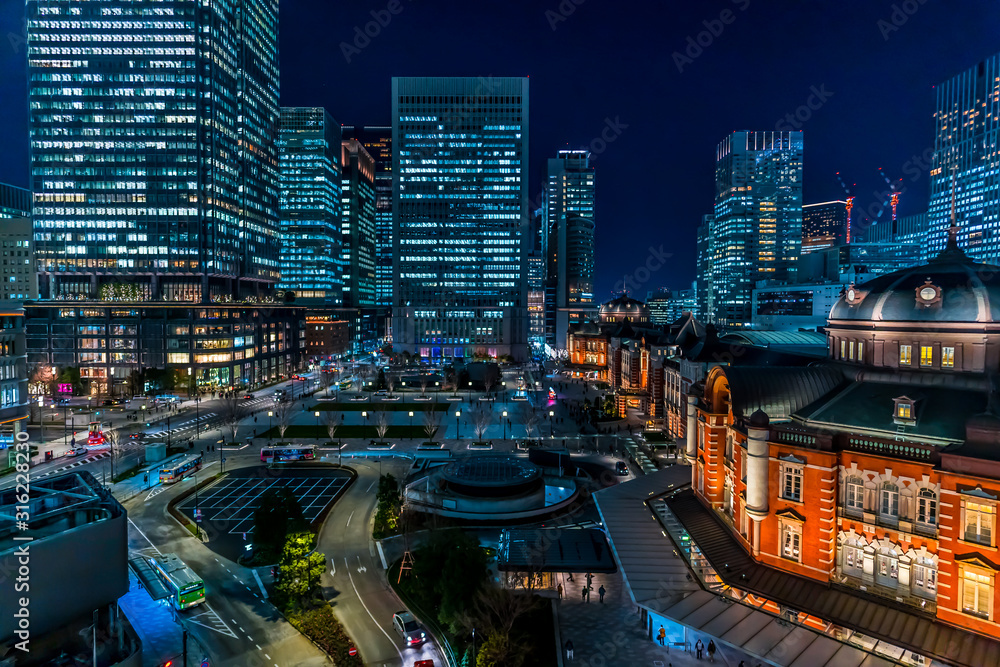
{"x":903,"y":411}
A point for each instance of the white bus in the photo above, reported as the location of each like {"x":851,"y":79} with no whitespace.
{"x":176,"y":470}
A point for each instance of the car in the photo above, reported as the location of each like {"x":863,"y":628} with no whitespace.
{"x":408,"y":628}
{"x":77,"y":451}
{"x":62,"y":401}
{"x":381,"y":392}
{"x":248,"y":396}
{"x":137,"y":436}
{"x":107,"y":402}
{"x":621,"y":468}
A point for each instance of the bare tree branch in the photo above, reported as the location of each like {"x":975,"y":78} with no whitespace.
{"x":530,"y":418}
{"x":232,"y":411}
{"x":283,"y":415}
{"x":432,"y":422}
{"x":482,"y":417}
{"x":332,"y":419}
{"x":383,"y":419}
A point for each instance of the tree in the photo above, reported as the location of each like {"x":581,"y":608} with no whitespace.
{"x":482,"y":417}
{"x":332,"y":419}
{"x":425,"y":381}
{"x":301,"y":568}
{"x":432,"y":422}
{"x":497,"y":609}
{"x":116,"y":446}
{"x":283,"y":415}
{"x":530,"y":418}
{"x":390,"y":382}
{"x":460,"y":556}
{"x":490,"y":383}
{"x":389,"y":505}
{"x":364,"y":372}
{"x":231,"y":413}
{"x":499,"y":651}
{"x":380,"y":379}
{"x":383,"y":419}
{"x":326,"y":379}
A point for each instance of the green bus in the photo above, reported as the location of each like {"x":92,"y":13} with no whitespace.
{"x":186,"y":588}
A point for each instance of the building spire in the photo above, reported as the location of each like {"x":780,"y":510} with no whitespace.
{"x":951,"y":250}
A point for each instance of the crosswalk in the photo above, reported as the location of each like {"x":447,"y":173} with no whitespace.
{"x":75,"y":464}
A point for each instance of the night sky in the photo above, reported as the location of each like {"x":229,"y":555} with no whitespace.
{"x":870,"y":66}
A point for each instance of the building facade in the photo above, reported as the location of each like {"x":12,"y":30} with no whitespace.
{"x":568,"y":219}
{"x":309,"y":147}
{"x":875,"y":473}
{"x":667,"y":306}
{"x":358,"y":225}
{"x":15,"y":202}
{"x":703,"y":279}
{"x":824,"y":225}
{"x":18,"y":280}
{"x":757,"y":226}
{"x":966,"y":125}
{"x":536,"y":266}
{"x":130,"y":186}
{"x":460,"y":215}
{"x":377,"y":140}
{"x":795,"y":307}
{"x":326,"y":335}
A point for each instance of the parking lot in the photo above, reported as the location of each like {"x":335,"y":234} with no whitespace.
{"x":228,"y":507}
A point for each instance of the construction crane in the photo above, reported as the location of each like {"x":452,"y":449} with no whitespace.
{"x":850,"y":205}
{"x":894,"y":192}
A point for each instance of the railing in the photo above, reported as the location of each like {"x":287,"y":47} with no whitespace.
{"x":896,"y":449}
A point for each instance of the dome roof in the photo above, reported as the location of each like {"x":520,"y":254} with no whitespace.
{"x":949,"y":288}
{"x":622,"y":307}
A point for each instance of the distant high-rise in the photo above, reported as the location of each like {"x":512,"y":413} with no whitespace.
{"x":824,"y":225}
{"x":309,"y":204}
{"x":535,"y":267}
{"x":569,"y":223}
{"x":460,"y":211}
{"x":967,"y":122}
{"x":358,"y":224}
{"x":703,"y":278}
{"x":757,"y":228}
{"x":153,"y":147}
{"x":15,"y":202}
{"x":377,"y":140}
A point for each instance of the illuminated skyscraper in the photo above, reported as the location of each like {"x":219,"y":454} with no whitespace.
{"x":358,"y":224}
{"x":153,"y":146}
{"x":824,"y":225}
{"x":460,"y":215}
{"x":377,"y":140}
{"x":967,"y":124}
{"x":310,"y":151}
{"x":15,"y":202}
{"x":703,"y":280}
{"x":757,"y":227}
{"x":569,"y":222}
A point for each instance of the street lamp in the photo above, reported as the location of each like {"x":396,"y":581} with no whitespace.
{"x":458,"y":436}
{"x":504,"y":424}
{"x":316,"y":414}
{"x":470,"y":392}
{"x":411,"y":424}
{"x":270,"y":413}
{"x":551,"y":415}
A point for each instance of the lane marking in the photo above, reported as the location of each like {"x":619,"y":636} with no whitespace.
{"x":381,"y":555}
{"x":368,"y":611}
{"x":144,"y":535}
{"x":349,"y":518}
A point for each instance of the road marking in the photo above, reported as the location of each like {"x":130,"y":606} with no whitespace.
{"x":349,"y":518}
{"x":372,"y":486}
{"x":381,"y":555}
{"x":215,"y":620}
{"x":368,"y":611}
{"x":267,"y":656}
{"x":144,"y":535}
{"x":333,"y":564}
{"x":258,"y":647}
{"x":361,"y":568}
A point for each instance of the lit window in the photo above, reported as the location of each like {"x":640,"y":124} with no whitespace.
{"x":843,"y":349}
{"x":791,"y":484}
{"x":853,"y":560}
{"x":924,"y":578}
{"x":791,"y":541}
{"x":904,"y":410}
{"x":887,"y":569}
{"x":889,"y":502}
{"x":947,"y":357}
{"x":926,"y":355}
{"x":904,"y":354}
{"x":851,"y":353}
{"x":854,"y":494}
{"x":978,"y":521}
{"x":927,"y":507}
{"x":861,"y":350}
{"x":977,"y":592}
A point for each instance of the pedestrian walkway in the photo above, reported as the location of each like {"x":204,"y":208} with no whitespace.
{"x":612,"y":633}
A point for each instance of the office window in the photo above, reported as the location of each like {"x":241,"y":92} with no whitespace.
{"x":977,"y":591}
{"x":926,"y":355}
{"x":904,"y":354}
{"x":889,"y":502}
{"x":947,"y":357}
{"x":854,"y":494}
{"x":791,"y":482}
{"x":978,"y":521}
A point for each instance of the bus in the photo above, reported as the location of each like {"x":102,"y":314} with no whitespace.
{"x":186,"y":588}
{"x":346,"y":384}
{"x":95,"y":438}
{"x":176,"y":470}
{"x":288,"y":453}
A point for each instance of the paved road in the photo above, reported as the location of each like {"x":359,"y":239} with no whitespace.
{"x":355,"y":581}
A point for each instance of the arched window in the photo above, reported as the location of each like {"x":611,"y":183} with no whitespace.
{"x":887,"y":568}
{"x":854,"y":494}
{"x":927,"y":507}
{"x":889,"y":502}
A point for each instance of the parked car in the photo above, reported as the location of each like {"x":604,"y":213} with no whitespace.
{"x":408,"y":628}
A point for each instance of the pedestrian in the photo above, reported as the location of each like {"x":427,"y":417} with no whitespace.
{"x":698,"y":648}
{"x":585,"y":591}
{"x":559,"y":591}
{"x":742,"y":663}
{"x":569,"y":649}
{"x":661,"y":635}
{"x":601,"y":592}
{"x":711,"y":650}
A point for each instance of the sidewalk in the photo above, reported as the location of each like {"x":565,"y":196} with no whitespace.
{"x":612,"y":633}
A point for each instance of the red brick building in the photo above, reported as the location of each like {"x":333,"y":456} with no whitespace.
{"x":326,"y":335}
{"x":877,"y":470}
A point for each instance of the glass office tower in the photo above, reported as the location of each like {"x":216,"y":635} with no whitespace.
{"x":824,"y":225}
{"x":377,"y":140}
{"x":309,"y":206}
{"x":357,"y":225}
{"x":569,"y":222}
{"x":153,"y":147}
{"x":460,"y":216}
{"x":15,"y":202}
{"x":757,"y":226}
{"x":967,"y":121}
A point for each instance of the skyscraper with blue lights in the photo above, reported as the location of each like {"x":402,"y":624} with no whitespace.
{"x":757,"y":225}
{"x":966,"y":128}
{"x":310,"y":150}
{"x":357,"y":224}
{"x":460,"y":216}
